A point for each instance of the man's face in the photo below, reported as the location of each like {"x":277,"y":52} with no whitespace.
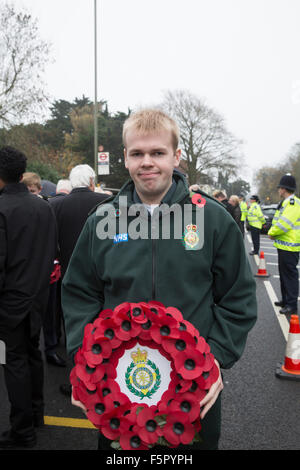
{"x":281,"y":192}
{"x":150,"y":160}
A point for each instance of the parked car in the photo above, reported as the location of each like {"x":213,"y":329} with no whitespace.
{"x":268,"y":211}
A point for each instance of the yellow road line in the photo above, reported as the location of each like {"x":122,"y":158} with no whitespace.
{"x":68,"y":422}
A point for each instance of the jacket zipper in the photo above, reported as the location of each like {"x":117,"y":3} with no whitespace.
{"x":153,"y":268}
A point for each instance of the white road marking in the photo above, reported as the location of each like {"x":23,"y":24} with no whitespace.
{"x":284,"y":324}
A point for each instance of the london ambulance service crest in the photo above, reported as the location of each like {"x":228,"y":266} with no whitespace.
{"x":143,"y":374}
{"x":143,"y":377}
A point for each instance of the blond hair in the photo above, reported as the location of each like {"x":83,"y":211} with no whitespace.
{"x":31,"y":179}
{"x":235,"y":199}
{"x":150,"y":120}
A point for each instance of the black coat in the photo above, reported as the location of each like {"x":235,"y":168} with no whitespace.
{"x":28,"y":243}
{"x":71,"y":212}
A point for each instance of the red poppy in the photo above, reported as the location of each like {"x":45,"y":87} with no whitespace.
{"x":124,"y":307}
{"x":189,"y":364}
{"x":209,"y":377}
{"x":149,"y":430}
{"x":130,"y":440}
{"x":199,"y":200}
{"x":89,"y":375}
{"x":108,"y":387}
{"x":188,"y":403}
{"x":106,"y":327}
{"x":138,"y":313}
{"x":109,"y":371}
{"x":126,"y":329}
{"x":104,"y":314}
{"x":131,"y":412}
{"x":74,"y":379}
{"x":165,"y":326}
{"x":177,"y":345}
{"x":175,"y":313}
{"x":179,"y":429}
{"x":82,"y":393}
{"x":95,"y":350}
{"x":156,"y":307}
{"x":98,"y":408}
{"x":113,"y":424}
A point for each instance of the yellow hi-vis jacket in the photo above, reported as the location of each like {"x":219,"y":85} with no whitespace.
{"x":286,"y":225}
{"x":255,"y":216}
{"x":244,"y":210}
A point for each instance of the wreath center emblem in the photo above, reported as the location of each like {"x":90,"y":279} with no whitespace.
{"x":142,"y":376}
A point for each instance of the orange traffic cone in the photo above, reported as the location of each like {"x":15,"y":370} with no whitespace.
{"x":262,"y":272}
{"x":291,"y":367}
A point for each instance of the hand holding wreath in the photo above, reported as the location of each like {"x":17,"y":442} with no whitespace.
{"x":142,"y":374}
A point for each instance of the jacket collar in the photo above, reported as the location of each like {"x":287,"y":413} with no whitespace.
{"x":178,"y":191}
{"x":14,"y":188}
{"x":81,"y":189}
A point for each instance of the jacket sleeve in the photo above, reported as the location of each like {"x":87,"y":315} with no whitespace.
{"x":3,"y":248}
{"x":82,"y":290}
{"x":260,"y":215}
{"x":286,"y":220}
{"x":234,"y":292}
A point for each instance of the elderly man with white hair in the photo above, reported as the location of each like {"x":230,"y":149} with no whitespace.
{"x":71,"y":212}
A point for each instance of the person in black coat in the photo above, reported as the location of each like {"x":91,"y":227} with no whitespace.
{"x":235,"y":203}
{"x":72,"y":210}
{"x":28,"y":243}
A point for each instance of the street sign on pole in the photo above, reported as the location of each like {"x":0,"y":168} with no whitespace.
{"x":95,"y":98}
{"x":103,"y":163}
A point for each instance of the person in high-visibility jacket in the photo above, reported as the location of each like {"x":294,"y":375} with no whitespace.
{"x":285,"y":231}
{"x":244,"y":212}
{"x":256,"y":220}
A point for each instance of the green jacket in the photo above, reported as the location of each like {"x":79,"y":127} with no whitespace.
{"x":212,"y":286}
{"x":286,"y":225}
{"x":255,"y":216}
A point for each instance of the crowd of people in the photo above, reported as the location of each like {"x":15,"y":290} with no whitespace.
{"x":55,"y":271}
{"x":235,"y":205}
{"x":38,"y":234}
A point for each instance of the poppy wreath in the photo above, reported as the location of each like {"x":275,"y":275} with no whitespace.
{"x":118,"y":408}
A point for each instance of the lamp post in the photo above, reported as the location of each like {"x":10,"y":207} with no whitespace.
{"x":95,"y":99}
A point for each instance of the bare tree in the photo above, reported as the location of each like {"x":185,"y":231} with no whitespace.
{"x":23,"y":55}
{"x":207,"y":146}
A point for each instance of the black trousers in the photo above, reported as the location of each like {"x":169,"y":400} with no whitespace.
{"x":24,"y":377}
{"x":255,"y":235}
{"x":49,"y":321}
{"x":210,"y":434}
{"x":242,"y":226}
{"x":289,"y":278}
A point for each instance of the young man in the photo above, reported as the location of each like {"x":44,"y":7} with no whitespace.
{"x":28,"y":245}
{"x":210,"y":283}
{"x":285,"y":232}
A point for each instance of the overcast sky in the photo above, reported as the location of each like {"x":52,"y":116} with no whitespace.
{"x":242,"y":56}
